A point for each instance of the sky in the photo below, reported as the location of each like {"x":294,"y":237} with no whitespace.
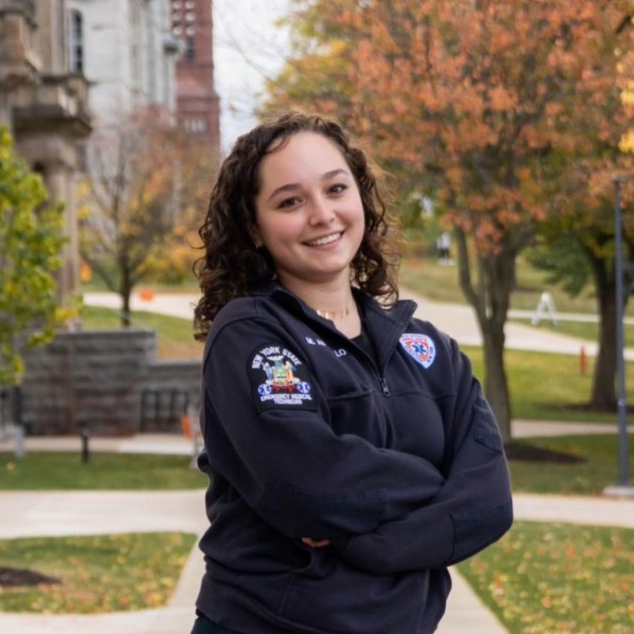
{"x":248,"y":47}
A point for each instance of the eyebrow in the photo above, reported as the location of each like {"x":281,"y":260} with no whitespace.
{"x":295,"y":186}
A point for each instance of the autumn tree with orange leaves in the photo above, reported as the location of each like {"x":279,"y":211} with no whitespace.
{"x":127,"y":201}
{"x":488,"y":102}
{"x":146,"y":189}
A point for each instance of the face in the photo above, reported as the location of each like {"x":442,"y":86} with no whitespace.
{"x":309,"y":212}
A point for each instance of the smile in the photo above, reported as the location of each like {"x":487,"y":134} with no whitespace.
{"x":333,"y":237}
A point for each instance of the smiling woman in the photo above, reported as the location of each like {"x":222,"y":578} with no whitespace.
{"x":351,"y":454}
{"x":311,"y":223}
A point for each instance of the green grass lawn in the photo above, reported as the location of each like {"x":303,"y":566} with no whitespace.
{"x":599,"y":466}
{"x":583,"y":330}
{"x":549,"y":578}
{"x":175,"y":334}
{"x":426,"y":277}
{"x":549,"y":386}
{"x":96,"y":573}
{"x":65,"y":471}
{"x":61,"y":471}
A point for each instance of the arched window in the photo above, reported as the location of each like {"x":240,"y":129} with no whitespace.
{"x":76,"y":42}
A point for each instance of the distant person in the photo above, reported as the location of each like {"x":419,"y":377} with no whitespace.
{"x":351,"y":454}
{"x":444,"y":248}
{"x":545,"y":307}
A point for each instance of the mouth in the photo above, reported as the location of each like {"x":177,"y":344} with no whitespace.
{"x":329,"y":239}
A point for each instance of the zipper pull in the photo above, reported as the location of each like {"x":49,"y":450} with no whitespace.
{"x":384,"y":387}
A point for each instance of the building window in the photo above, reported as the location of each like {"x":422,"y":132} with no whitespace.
{"x":190,"y":49}
{"x":195,"y":126}
{"x":76,"y":43}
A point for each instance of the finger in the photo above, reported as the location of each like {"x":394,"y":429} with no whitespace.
{"x":315,"y":543}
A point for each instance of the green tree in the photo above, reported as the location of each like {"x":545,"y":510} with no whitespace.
{"x":30,"y":242}
{"x":576,"y":246}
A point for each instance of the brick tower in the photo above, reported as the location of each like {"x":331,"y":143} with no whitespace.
{"x":197,"y":106}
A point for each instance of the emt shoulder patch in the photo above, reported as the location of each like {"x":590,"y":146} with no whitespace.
{"x":419,"y":347}
{"x":279,"y":379}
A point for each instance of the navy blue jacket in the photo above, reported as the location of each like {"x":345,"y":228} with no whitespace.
{"x":394,"y":457}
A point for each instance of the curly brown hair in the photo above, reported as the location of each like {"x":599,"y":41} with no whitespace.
{"x":233,"y":266}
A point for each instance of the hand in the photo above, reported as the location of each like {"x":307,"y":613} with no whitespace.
{"x":315,"y":543}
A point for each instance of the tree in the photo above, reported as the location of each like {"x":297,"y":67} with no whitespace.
{"x":30,"y":243}
{"x":195,"y":167}
{"x":577,"y":247}
{"x":481,"y":99}
{"x":128,"y":201}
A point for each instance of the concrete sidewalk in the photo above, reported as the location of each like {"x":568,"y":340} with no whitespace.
{"x":35,"y":513}
{"x":61,"y":513}
{"x":175,"y":444}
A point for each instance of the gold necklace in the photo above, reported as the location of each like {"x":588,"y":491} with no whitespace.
{"x":333,"y":314}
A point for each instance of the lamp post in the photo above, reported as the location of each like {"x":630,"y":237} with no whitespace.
{"x":622,"y":488}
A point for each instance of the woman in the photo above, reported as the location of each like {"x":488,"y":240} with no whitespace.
{"x":351,"y":454}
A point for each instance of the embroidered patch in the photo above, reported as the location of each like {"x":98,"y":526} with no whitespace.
{"x":279,"y":379}
{"x":420,"y":347}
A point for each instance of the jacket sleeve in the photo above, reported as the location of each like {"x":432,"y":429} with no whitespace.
{"x":473,"y":508}
{"x":288,"y":464}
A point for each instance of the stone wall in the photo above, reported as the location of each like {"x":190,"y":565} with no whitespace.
{"x":110,"y":380}
{"x":170,"y":388}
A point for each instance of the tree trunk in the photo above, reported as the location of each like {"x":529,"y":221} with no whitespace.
{"x":125,"y":307}
{"x":496,"y":387}
{"x":603,"y":396}
{"x":490,"y":299}
{"x":125,"y":290}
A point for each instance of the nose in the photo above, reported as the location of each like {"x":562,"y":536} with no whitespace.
{"x":321,"y":211}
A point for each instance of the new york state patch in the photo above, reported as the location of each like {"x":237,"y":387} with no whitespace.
{"x":419,"y":347}
{"x":279,"y":379}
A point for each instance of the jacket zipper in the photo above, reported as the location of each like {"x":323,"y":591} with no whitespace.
{"x":385,"y":389}
{"x":382,"y":380}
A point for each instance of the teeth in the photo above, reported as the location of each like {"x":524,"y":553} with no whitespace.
{"x":326,"y":240}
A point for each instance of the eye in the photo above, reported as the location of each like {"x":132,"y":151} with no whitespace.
{"x":338,"y":188}
{"x":289,"y":202}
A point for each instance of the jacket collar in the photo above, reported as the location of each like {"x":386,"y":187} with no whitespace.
{"x":383,"y":325}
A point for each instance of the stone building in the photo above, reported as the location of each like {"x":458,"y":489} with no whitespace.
{"x":44,"y":105}
{"x":69,"y":65}
{"x":127,"y":52}
{"x":56,"y":57}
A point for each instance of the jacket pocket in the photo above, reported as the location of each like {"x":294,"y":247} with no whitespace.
{"x":358,"y":413}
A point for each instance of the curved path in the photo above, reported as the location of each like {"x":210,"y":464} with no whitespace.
{"x":457,"y":320}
